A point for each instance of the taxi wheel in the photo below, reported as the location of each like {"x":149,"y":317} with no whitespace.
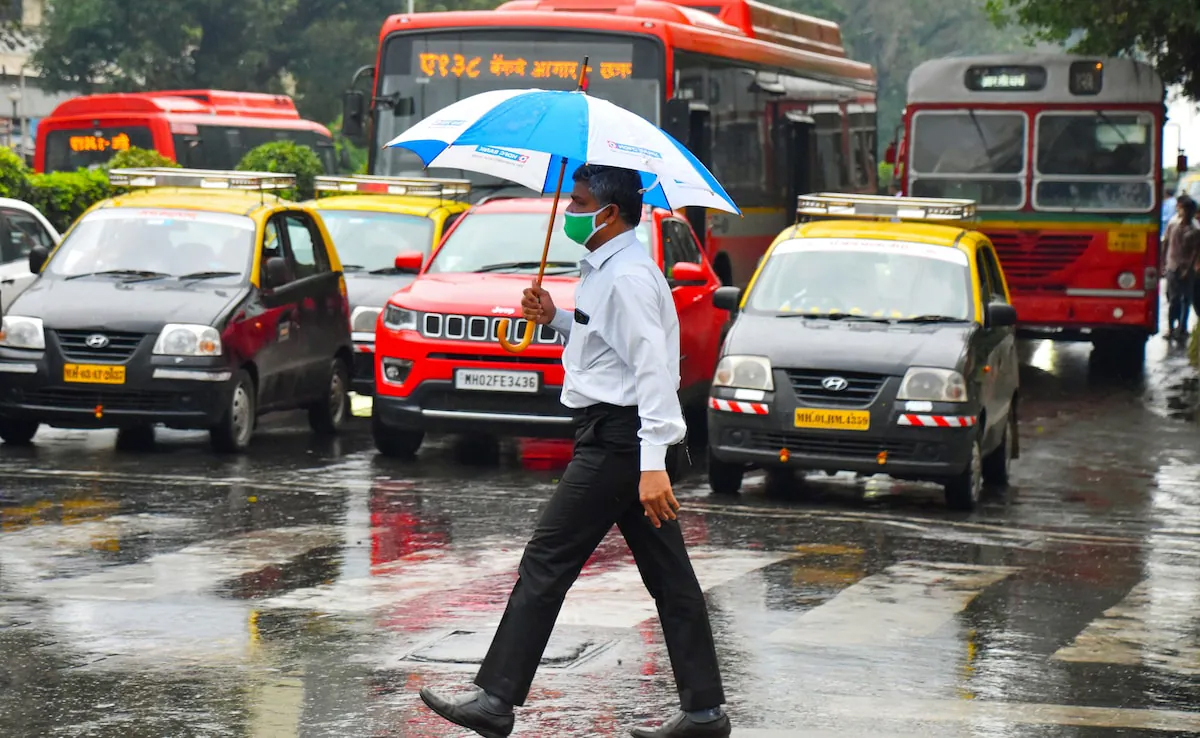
{"x":395,"y":443}
{"x":232,"y":434}
{"x":724,"y":478}
{"x":18,"y":432}
{"x":327,"y":417}
{"x":964,"y":491}
{"x":998,"y":464}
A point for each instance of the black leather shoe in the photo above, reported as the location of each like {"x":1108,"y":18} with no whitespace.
{"x":465,"y":710}
{"x":682,"y":726}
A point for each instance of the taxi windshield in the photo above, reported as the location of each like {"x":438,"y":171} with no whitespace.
{"x":512,"y":243}
{"x":892,"y":280}
{"x":371,"y":241}
{"x":157,"y":243}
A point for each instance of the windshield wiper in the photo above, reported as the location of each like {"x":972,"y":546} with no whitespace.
{"x":834,"y":316}
{"x":137,"y":273}
{"x":527,"y":265}
{"x":207,"y":275}
{"x":353,"y":267}
{"x":931,"y":319}
{"x":385,"y":270}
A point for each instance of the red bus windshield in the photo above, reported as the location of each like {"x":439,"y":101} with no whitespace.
{"x":68,"y":150}
{"x":432,"y":70}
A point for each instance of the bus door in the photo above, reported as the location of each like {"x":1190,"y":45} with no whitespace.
{"x":691,"y":124}
{"x":798,"y":146}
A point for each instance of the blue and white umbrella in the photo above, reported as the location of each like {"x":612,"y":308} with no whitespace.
{"x":526,"y":136}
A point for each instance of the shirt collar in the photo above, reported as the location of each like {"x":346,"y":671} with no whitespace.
{"x":595,"y":259}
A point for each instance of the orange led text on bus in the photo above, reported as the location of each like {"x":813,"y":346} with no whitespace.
{"x":457,"y":65}
{"x":119,"y":142}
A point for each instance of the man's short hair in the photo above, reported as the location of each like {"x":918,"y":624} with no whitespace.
{"x":614,"y":186}
{"x":1187,"y":205}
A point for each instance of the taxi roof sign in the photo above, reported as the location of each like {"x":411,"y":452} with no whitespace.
{"x":205,"y":179}
{"x":376,"y":185}
{"x":877,"y":207}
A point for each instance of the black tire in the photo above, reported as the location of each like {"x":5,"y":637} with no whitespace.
{"x":18,"y":432}
{"x":964,"y":491}
{"x":394,"y":442}
{"x":233,"y":432}
{"x":328,"y":416}
{"x":136,"y":438}
{"x":724,"y":478}
{"x":997,"y":465}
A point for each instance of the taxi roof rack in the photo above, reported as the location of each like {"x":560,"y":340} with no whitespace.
{"x":879,"y":207}
{"x":205,"y":179}
{"x":379,"y":185}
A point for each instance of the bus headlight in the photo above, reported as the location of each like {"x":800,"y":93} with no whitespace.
{"x":744,"y":372}
{"x":1127,"y":280}
{"x":932,"y":385}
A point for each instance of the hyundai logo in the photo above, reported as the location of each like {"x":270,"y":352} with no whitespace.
{"x":97,"y":341}
{"x":834,"y":384}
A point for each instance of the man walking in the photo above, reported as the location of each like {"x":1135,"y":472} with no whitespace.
{"x":1178,"y":268}
{"x":622,"y":374}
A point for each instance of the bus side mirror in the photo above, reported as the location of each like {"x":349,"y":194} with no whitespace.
{"x":889,"y":156}
{"x":1181,"y":164}
{"x":354,"y":109}
{"x":37,"y":259}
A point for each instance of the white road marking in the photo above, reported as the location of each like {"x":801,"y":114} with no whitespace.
{"x":911,"y":599}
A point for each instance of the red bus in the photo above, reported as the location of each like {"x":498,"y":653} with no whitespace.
{"x":1063,"y":156}
{"x":200,"y":129}
{"x":765,"y":97}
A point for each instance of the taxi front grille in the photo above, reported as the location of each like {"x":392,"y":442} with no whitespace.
{"x":1033,"y":258}
{"x":117,"y":345}
{"x":87,"y":398}
{"x":843,"y":447}
{"x":860,"y":391}
{"x":480,"y":328}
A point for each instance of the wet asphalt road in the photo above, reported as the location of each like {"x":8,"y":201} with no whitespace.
{"x":311,"y":587}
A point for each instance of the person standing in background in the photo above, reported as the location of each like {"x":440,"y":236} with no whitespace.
{"x":1179,"y":268}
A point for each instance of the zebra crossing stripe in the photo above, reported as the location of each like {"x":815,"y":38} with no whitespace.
{"x":911,"y":599}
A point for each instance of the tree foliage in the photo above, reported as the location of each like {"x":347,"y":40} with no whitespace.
{"x":286,"y":157}
{"x":1167,"y":32}
{"x":306,"y":47}
{"x":135,"y":158}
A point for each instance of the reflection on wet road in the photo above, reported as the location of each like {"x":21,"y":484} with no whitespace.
{"x":311,"y":587}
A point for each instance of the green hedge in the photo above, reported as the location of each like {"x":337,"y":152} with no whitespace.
{"x":286,"y":157}
{"x":64,"y":196}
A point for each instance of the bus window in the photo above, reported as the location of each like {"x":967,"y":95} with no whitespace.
{"x":832,"y":167}
{"x":68,"y":150}
{"x":1075,"y":149}
{"x":974,"y":155}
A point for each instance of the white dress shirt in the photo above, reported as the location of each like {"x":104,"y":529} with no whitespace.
{"x":628,"y":352}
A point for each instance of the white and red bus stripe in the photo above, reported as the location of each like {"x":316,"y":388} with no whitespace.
{"x":938,"y":421}
{"x":734,"y":406}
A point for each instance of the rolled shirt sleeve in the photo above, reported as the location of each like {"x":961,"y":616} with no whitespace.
{"x":637,"y":334}
{"x":561,"y":322}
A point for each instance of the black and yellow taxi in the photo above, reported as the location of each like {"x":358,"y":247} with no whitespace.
{"x":199,"y":300}
{"x":384,"y":228}
{"x":876,"y":336}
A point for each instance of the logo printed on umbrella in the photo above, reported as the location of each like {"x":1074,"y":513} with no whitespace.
{"x":513,"y":156}
{"x":630,"y":149}
{"x":447,"y":123}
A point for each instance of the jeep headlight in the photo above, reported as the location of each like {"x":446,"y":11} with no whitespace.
{"x":399,"y":319}
{"x":22,"y":333}
{"x":183,"y":339}
{"x":933,"y":385}
{"x":363,"y":320}
{"x":744,"y":372}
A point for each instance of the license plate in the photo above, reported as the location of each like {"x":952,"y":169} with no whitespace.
{"x":94,"y":373}
{"x":490,"y":380}
{"x":857,"y":420}
{"x":1128,"y":242}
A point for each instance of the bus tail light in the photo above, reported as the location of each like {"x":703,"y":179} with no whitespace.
{"x":1126,"y":280}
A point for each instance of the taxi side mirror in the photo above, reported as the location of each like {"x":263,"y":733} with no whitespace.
{"x":277,"y":272}
{"x":1000,"y":315}
{"x":37,"y":258}
{"x":410,"y":261}
{"x":687,"y":274}
{"x":727,"y":298}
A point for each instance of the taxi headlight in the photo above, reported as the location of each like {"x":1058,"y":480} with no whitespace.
{"x":182,"y":339}
{"x":933,"y":385}
{"x":363,"y":320}
{"x":744,"y":372}
{"x":23,"y":333}
{"x":399,"y":319}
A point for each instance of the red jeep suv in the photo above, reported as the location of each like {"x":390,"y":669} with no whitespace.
{"x":440,"y":367}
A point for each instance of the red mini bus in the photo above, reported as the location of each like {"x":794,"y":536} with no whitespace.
{"x":765,"y":97}
{"x":1063,"y":155}
{"x":200,"y":129}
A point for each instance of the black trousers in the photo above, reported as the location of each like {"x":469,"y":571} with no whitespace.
{"x":599,"y":489}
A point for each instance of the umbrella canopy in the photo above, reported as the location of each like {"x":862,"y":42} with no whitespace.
{"x":525,"y":135}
